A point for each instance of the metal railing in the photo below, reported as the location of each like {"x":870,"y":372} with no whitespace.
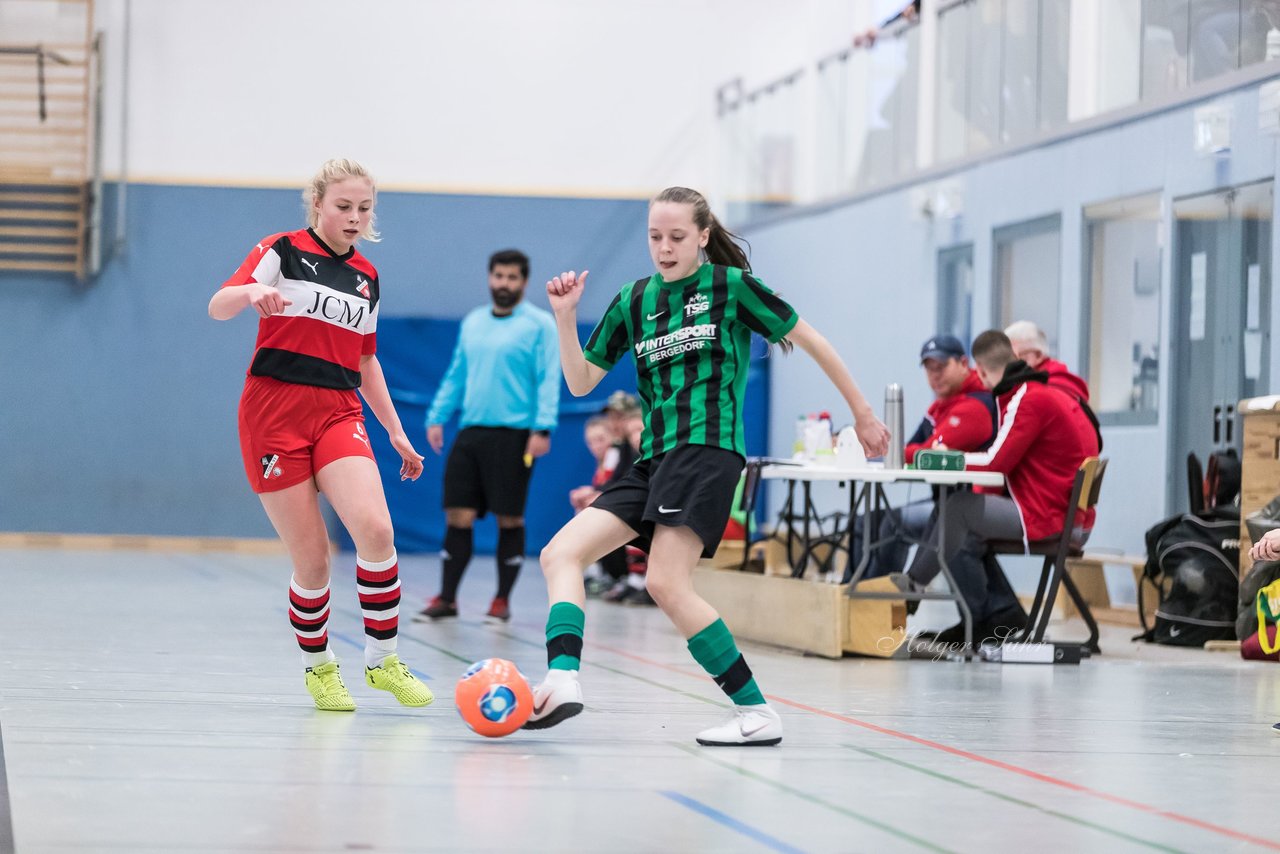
{"x":969,"y":78}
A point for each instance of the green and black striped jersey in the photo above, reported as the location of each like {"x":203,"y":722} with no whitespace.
{"x":691,"y":340}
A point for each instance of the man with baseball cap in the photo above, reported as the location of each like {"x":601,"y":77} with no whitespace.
{"x":962,"y":417}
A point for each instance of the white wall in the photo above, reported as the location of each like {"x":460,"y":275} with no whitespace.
{"x":582,"y":97}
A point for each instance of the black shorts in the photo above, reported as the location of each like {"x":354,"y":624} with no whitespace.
{"x":691,"y":486}
{"x":486,"y":471}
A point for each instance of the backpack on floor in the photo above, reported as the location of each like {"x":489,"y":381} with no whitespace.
{"x":1192,"y":561}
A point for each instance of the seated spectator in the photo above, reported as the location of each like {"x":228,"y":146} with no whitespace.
{"x":961,"y":417}
{"x":1031,"y":346}
{"x":1043,"y":438}
{"x":602,"y":443}
{"x":619,"y":407}
{"x":631,"y":588}
{"x":614,"y":457}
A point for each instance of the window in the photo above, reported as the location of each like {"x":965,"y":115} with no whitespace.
{"x":1123,"y":269}
{"x":1028,"y":264}
{"x":955,"y":292}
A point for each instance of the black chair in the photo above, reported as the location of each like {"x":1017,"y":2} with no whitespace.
{"x":1195,"y":484}
{"x":1056,"y":551}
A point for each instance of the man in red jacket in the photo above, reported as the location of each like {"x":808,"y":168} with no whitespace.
{"x":1031,"y":346}
{"x":1042,"y":439}
{"x":961,"y":417}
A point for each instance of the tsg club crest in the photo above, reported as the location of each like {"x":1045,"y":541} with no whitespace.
{"x":697,"y":304}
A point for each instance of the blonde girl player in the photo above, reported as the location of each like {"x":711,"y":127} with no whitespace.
{"x":689,"y":327}
{"x":301,"y":428}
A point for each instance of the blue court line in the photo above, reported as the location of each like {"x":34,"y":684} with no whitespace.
{"x":730,"y":822}
{"x":6,"y":814}
{"x":358,"y":644}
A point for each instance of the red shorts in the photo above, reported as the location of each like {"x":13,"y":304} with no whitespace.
{"x":288,"y":432}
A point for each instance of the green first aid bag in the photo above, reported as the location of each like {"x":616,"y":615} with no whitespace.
{"x":931,"y":460}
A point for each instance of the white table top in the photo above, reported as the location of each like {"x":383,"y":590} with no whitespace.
{"x":876,"y":473}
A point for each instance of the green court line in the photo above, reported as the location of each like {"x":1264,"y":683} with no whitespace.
{"x":813,"y":799}
{"x":1017,"y":801}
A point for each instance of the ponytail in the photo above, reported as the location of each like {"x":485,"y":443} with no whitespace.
{"x":724,"y":249}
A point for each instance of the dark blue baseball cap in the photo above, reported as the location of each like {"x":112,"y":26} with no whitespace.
{"x":942,"y":347}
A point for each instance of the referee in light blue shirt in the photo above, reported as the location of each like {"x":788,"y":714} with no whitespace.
{"x":505,"y":377}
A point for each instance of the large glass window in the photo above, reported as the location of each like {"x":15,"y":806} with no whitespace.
{"x":1118,"y":52}
{"x":892,"y":83}
{"x":1123,"y":264}
{"x":1055,"y":49}
{"x":952,"y":93}
{"x":1028,"y":263}
{"x":1186,"y":41}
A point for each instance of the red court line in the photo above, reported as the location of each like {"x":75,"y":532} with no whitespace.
{"x":985,"y":760}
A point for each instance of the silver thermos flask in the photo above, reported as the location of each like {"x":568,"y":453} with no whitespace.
{"x":893,"y":420}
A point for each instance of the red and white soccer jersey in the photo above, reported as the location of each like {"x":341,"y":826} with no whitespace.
{"x":319,"y":339}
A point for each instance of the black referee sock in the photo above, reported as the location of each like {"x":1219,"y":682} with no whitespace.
{"x":455,"y":556}
{"x":510,"y":559}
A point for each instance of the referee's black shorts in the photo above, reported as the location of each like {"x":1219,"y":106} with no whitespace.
{"x":690,"y":486}
{"x":486,"y":472}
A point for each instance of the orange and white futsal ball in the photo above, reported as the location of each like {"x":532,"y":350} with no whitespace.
{"x":493,"y":697}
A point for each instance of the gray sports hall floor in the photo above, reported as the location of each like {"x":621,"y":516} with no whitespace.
{"x":154,"y":702}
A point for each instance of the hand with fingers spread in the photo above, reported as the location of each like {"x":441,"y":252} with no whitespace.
{"x":565,"y":290}
{"x":266,"y":300}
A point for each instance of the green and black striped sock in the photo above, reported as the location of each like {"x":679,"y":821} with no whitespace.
{"x":564,"y":636}
{"x":714,"y":649}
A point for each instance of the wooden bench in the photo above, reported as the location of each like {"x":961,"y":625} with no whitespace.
{"x":801,"y":614}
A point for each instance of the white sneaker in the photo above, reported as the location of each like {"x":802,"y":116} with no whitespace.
{"x":750,"y":726}
{"x":557,"y":698}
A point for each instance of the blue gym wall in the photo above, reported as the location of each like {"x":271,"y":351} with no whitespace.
{"x":415,"y":352}
{"x":119,"y":396}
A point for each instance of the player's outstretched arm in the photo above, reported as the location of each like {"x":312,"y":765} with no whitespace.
{"x":872,"y":434}
{"x":564,"y":293}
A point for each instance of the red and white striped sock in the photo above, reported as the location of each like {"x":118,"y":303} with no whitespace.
{"x":309,"y":614}
{"x":378,"y":586}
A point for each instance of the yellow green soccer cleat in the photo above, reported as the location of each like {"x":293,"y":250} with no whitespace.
{"x":325,"y":685}
{"x":394,"y":676}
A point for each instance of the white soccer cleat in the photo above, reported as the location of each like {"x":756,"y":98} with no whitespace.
{"x":557,"y":698}
{"x":750,"y":726}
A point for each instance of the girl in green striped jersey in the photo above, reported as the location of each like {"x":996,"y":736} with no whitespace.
{"x":688,"y":326}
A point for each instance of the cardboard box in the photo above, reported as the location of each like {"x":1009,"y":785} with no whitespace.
{"x":1259,"y":466}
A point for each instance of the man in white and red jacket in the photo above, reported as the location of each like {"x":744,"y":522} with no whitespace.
{"x":1043,"y":437}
